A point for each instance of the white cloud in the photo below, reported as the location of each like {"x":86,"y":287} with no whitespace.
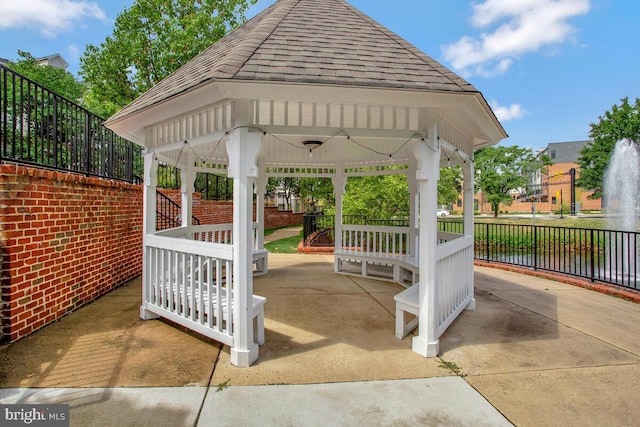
{"x":514,"y":28}
{"x":74,"y":52}
{"x":49,"y":17}
{"x":504,"y":114}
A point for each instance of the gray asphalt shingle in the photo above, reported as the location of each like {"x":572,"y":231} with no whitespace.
{"x":314,"y":42}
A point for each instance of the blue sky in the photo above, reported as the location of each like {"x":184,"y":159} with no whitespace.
{"x":547,"y":67}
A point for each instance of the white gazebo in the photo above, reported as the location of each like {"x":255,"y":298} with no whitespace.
{"x":307,"y":88}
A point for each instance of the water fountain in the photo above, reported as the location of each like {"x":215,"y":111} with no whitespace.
{"x":622,"y":192}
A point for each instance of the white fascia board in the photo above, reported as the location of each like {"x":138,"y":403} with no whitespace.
{"x":473,"y":103}
{"x":341,"y":94}
{"x":133,"y":126}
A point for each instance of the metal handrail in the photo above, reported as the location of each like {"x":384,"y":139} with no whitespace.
{"x":41,"y":128}
{"x":168,"y":213}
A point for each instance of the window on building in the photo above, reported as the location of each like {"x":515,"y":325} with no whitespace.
{"x":553,"y":200}
{"x":553,"y":154}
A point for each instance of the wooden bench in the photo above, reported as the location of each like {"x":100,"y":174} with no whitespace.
{"x":407,"y":301}
{"x":260,"y":264}
{"x":210,"y":307}
{"x":404,"y":269}
{"x":258,"y":313}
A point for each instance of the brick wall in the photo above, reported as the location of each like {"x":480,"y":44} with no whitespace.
{"x":66,"y":239}
{"x":221,"y":212}
{"x":274,"y":218}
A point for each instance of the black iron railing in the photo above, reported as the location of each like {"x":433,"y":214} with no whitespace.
{"x":41,"y":128}
{"x":210,"y":186}
{"x":607,"y":256}
{"x":169,"y":213}
{"x":313,"y":224}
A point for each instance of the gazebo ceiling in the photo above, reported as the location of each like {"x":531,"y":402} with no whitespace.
{"x":310,"y":69}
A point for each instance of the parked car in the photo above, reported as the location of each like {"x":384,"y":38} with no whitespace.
{"x":443,"y":212}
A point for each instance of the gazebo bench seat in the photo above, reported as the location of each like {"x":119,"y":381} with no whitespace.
{"x":407,"y":302}
{"x":210,"y":307}
{"x":260,"y":264}
{"x":401,"y":269}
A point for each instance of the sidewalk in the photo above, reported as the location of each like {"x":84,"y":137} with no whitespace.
{"x":535,"y":352}
{"x":283,"y":233}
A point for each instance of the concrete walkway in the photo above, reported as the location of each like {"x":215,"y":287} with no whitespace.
{"x":535,"y":352}
{"x":283,"y":233}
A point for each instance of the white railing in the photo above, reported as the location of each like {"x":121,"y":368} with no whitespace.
{"x":445,"y":236}
{"x":454,"y":280}
{"x":188,"y":274}
{"x":189,"y":283}
{"x":377,"y":241}
{"x":212,"y":233}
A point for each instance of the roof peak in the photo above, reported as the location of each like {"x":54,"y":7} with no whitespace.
{"x":320,"y":42}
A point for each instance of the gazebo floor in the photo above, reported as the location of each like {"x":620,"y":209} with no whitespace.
{"x":539,"y":351}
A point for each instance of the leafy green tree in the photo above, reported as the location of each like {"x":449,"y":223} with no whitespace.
{"x":150,"y":40}
{"x":501,"y":169}
{"x":621,"y":122}
{"x":55,"y":79}
{"x":377,"y":197}
{"x":449,"y":185}
{"x":316,"y":192}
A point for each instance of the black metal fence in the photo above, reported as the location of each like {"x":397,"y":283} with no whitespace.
{"x":312,"y":224}
{"x":319,"y":223}
{"x":210,"y":186}
{"x":169,"y":213}
{"x":607,"y":256}
{"x":41,"y":128}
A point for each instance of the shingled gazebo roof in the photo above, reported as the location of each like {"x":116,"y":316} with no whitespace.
{"x":318,"y":42}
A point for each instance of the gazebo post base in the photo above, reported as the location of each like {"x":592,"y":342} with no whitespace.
{"x":146,"y":314}
{"x":244,"y":358}
{"x":472,"y":305}
{"x":425,"y":348}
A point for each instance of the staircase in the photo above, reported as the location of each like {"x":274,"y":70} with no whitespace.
{"x":169,"y":213}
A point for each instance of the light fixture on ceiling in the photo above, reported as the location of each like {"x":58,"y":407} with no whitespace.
{"x":311,"y":145}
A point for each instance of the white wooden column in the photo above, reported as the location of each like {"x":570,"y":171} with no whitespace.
{"x":243,"y":148}
{"x":427,"y":154}
{"x":413,"y":208}
{"x":468,"y":209}
{"x":187,"y":179}
{"x":261,"y":188}
{"x":148,"y":224}
{"x":339,"y":182}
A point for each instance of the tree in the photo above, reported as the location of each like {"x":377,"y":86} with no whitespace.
{"x":621,"y":122}
{"x":316,"y":191}
{"x":287,"y":187}
{"x":150,"y":40}
{"x":54,"y":79}
{"x":449,"y":185}
{"x":377,"y":197}
{"x":501,"y":169}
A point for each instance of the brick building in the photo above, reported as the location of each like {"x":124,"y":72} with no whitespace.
{"x":547,"y":192}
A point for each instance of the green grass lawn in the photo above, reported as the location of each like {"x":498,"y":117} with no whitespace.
{"x":595,"y":222}
{"x":284,"y":246}
{"x":555,"y":222}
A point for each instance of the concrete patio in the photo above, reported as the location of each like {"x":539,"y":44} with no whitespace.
{"x":535,"y":352}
